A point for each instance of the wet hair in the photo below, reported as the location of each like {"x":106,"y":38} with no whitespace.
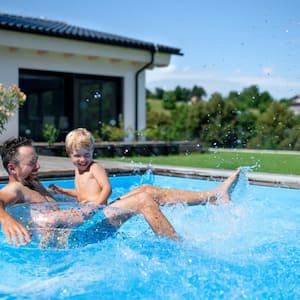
{"x":9,"y":150}
{"x":79,"y":138}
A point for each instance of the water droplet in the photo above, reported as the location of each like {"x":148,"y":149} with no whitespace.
{"x":112,"y":122}
{"x":97,"y":96}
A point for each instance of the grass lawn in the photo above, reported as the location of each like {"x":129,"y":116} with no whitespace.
{"x":263,"y":162}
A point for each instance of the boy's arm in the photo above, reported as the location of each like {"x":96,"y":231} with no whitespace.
{"x":13,"y":230}
{"x":100,"y":175}
{"x":57,"y":189}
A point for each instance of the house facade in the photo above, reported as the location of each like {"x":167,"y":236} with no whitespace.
{"x":295,"y":105}
{"x":75,"y":77}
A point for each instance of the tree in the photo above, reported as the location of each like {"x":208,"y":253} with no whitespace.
{"x":149,"y":94}
{"x":156,"y":122}
{"x":159,"y":93}
{"x":199,"y":92}
{"x":245,"y":127}
{"x":182,"y":94}
{"x":264,"y":101}
{"x":197,"y":117}
{"x":273,"y":126}
{"x":169,"y":100}
{"x":220,"y":129}
{"x":178,"y":93}
{"x":251,"y":96}
{"x":177,"y":128}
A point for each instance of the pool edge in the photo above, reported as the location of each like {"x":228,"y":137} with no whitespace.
{"x":61,"y":167}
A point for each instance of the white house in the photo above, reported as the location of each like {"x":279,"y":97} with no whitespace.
{"x":295,"y":105}
{"x":74,"y":77}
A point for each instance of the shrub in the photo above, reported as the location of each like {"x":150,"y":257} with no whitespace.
{"x":50,"y":134}
{"x":10,"y":99}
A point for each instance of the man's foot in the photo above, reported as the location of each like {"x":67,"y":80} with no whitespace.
{"x":223,"y":191}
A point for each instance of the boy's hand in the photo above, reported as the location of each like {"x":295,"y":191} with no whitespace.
{"x":54,"y":188}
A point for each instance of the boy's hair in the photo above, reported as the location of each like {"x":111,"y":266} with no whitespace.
{"x":9,"y":150}
{"x":79,"y":138}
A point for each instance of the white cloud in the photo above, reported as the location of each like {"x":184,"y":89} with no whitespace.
{"x":278,"y":87}
{"x":267,"y":70}
{"x":169,"y":69}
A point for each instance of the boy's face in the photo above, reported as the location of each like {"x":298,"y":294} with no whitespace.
{"x":81,"y":158}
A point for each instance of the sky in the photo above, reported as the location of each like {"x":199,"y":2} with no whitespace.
{"x":228,"y":45}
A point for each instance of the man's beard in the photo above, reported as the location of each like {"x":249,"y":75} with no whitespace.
{"x":30,"y":181}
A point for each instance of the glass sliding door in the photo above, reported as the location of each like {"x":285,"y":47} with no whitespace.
{"x":96,"y":101}
{"x":44,"y":104}
{"x":67,"y":101}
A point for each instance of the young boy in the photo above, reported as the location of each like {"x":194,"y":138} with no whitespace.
{"x":91,"y":182}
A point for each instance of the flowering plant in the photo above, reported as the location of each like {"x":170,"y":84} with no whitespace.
{"x":10,"y":99}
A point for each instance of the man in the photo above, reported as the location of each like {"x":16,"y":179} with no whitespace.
{"x":21,"y":162}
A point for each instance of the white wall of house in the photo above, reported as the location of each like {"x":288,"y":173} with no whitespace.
{"x":28,"y":51}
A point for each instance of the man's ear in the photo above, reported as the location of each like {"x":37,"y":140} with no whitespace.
{"x":11,"y":168}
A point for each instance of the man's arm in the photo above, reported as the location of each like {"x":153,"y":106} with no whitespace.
{"x":13,"y":230}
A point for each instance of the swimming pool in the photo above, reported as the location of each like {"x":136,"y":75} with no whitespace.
{"x":248,"y":249}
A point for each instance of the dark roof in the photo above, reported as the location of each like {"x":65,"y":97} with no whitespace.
{"x":66,"y":31}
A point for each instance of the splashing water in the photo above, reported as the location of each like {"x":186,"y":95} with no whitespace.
{"x":147,"y":177}
{"x":248,"y":248}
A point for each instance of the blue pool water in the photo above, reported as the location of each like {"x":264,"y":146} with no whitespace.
{"x":248,"y":249}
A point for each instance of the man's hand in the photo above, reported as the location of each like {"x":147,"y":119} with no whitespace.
{"x":14,"y":231}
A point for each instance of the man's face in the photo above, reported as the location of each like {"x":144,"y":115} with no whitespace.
{"x":28,"y":165}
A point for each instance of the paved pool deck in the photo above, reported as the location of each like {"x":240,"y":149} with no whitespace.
{"x":53,"y":166}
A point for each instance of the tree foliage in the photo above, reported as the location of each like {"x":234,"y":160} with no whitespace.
{"x":248,"y":119}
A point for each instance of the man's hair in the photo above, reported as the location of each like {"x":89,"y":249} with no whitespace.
{"x":9,"y":150}
{"x":79,"y":138}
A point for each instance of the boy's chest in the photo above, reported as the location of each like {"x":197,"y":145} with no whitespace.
{"x":85,"y":180}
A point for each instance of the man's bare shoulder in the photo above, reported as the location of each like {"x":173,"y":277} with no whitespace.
{"x":13,"y":186}
{"x":11,"y":192}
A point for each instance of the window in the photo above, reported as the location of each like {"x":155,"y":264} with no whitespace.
{"x":67,"y":101}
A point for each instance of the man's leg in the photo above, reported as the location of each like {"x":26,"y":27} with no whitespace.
{"x":142,"y":203}
{"x":55,"y":226}
{"x":172,"y":196}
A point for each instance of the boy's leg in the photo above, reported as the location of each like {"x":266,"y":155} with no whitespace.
{"x":141,"y":203}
